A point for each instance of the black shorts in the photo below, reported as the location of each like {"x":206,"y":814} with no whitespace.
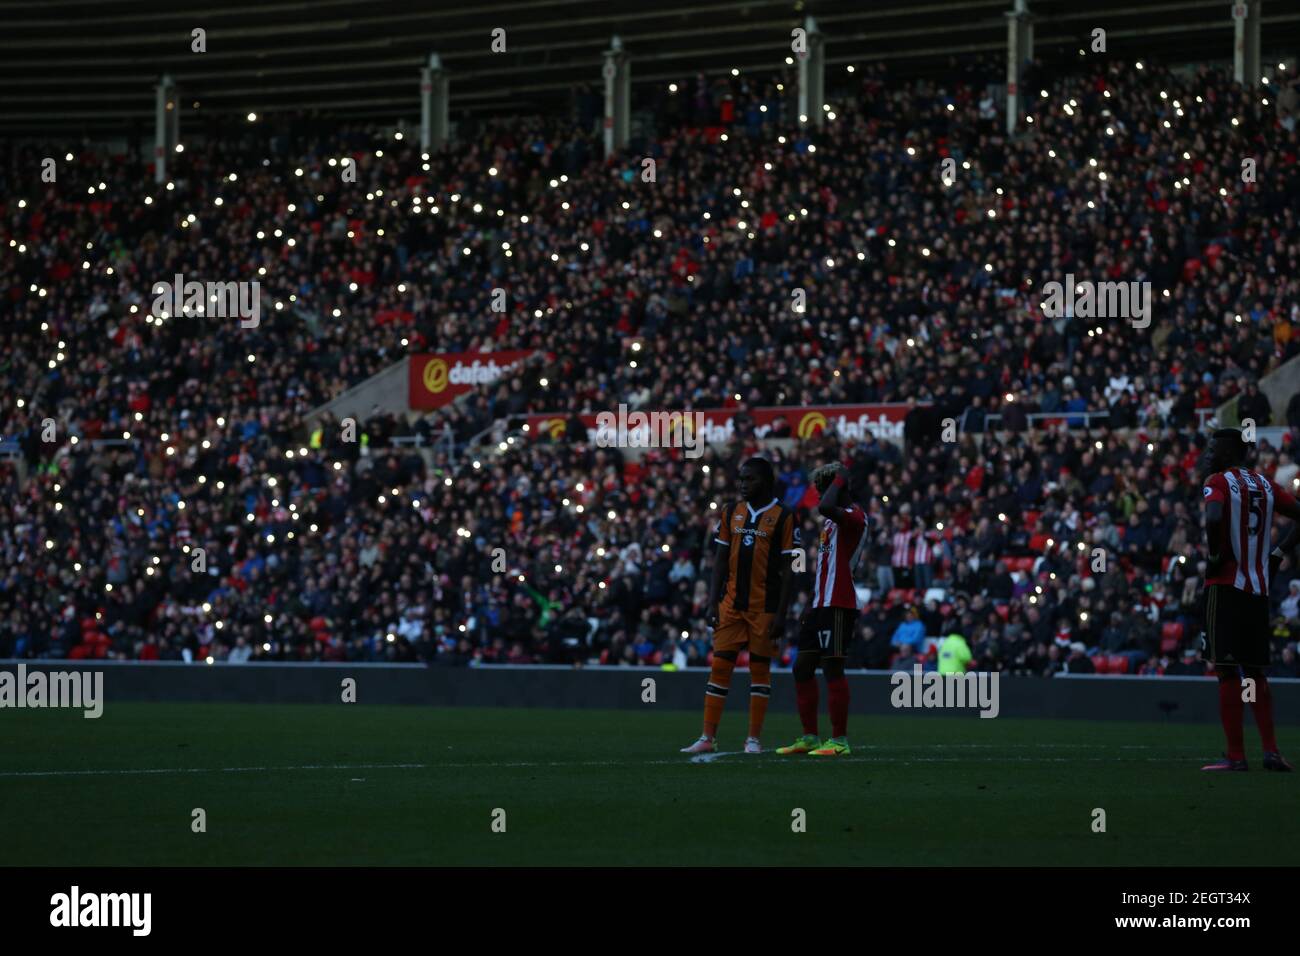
{"x":828,"y":630}
{"x":1236,"y":627}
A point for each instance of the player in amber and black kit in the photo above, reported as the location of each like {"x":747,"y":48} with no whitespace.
{"x":1240,"y":505}
{"x":749,"y":597}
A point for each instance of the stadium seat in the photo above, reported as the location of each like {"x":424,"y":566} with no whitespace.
{"x":1101,"y":664}
{"x":1171,"y":635}
{"x":1119,"y":664}
{"x":896,"y":596}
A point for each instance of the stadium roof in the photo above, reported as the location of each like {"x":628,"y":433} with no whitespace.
{"x":87,"y":67}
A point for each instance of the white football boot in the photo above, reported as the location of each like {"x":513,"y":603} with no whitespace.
{"x":702,"y":746}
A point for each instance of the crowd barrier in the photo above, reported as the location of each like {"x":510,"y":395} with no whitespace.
{"x":1170,"y":699}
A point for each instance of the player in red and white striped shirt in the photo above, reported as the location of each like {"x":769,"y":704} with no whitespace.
{"x":827,"y":627}
{"x":1240,"y":505}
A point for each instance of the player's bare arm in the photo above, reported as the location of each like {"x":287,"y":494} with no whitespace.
{"x":1213,"y":534}
{"x":1285,"y":506}
{"x":718,"y":581}
{"x":777,"y":628}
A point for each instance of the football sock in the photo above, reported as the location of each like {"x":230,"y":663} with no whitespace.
{"x":1231,"y":711}
{"x":805,"y":692}
{"x":715,"y":694}
{"x":760,"y":692}
{"x":837,"y":691}
{"x":1263,"y":710}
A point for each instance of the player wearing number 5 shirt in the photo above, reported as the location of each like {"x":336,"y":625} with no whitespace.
{"x":1240,"y":505}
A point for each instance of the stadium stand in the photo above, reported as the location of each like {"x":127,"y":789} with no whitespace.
{"x":189,"y":432}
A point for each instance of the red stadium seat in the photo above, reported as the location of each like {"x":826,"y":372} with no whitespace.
{"x":1118,"y":664}
{"x":1101,"y":664}
{"x":1171,"y":635}
{"x":896,"y":596}
{"x":742,"y":661}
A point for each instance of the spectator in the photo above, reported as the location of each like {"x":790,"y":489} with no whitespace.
{"x":1078,"y":661}
{"x":1254,"y":405}
{"x":954,"y":655}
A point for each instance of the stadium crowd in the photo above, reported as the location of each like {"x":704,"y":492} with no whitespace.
{"x":671,"y":293}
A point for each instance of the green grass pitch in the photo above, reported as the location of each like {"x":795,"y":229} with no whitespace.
{"x":350,"y":785}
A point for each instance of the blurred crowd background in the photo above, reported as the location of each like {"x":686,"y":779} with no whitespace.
{"x":669,"y":294}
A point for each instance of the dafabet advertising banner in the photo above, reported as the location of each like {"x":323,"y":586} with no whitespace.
{"x":854,"y":422}
{"x":438,"y":378}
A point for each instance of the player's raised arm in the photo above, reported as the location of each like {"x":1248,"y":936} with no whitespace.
{"x":830,"y":481}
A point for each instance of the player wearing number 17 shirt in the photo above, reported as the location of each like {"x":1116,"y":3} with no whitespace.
{"x":827,"y":627}
{"x":1240,"y":505}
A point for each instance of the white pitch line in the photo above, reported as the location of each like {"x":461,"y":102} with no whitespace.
{"x":709,"y":758}
{"x":160,"y":770}
{"x":698,"y":758}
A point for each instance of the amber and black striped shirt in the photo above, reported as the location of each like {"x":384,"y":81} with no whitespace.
{"x":754,"y":539}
